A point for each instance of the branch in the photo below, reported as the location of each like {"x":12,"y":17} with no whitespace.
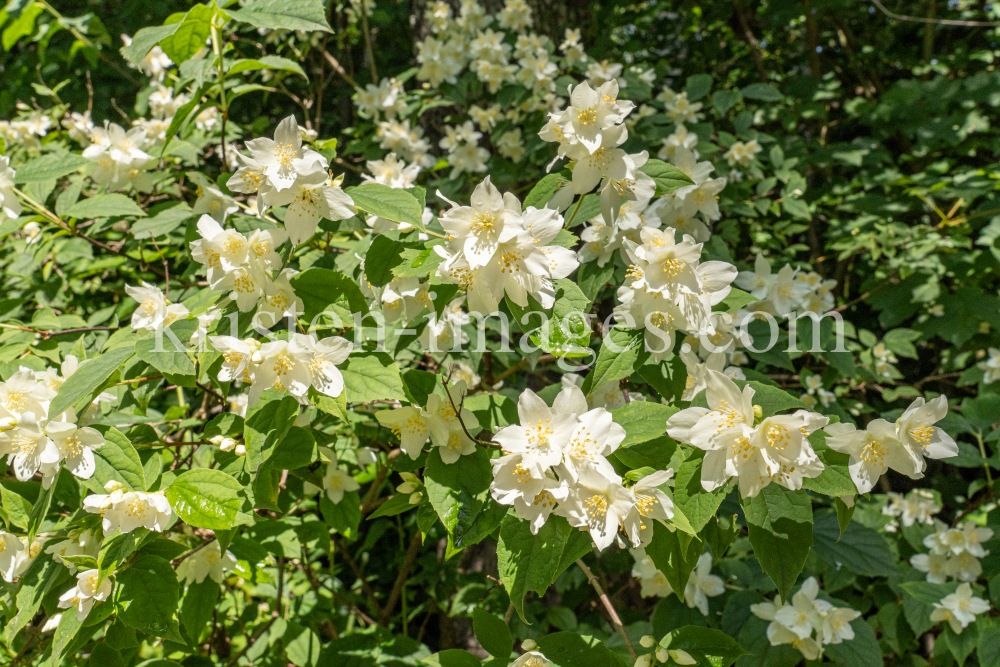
{"x":353,"y":566}
{"x":617,"y":622}
{"x":397,"y":588}
{"x":918,"y":19}
{"x":340,"y":70}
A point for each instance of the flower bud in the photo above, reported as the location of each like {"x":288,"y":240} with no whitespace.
{"x":240,"y":450}
{"x":647,"y":642}
{"x":217,"y":440}
{"x":256,"y":357}
{"x":415,"y":498}
{"x":406,"y":487}
{"x":227,"y":444}
{"x":642,"y":661}
{"x":758,"y":412}
{"x":113,"y":485}
{"x":662,"y":655}
{"x":8,"y":423}
{"x":529,"y":645}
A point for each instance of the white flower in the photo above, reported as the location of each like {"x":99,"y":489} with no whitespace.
{"x":152,"y":308}
{"x":605,"y":72}
{"x":837,"y":625}
{"x":211,"y":200}
{"x":741,"y":153}
{"x":872,"y":451}
{"x":283,"y":160}
{"x":10,"y":205}
{"x":22,"y":393}
{"x":29,"y":448}
{"x":599,"y":506}
{"x":237,"y":355}
{"x":919,"y":506}
{"x":337,"y":482}
{"x":650,"y":504}
{"x":803,"y":615}
{"x":392,"y":171}
{"x":279,"y":299}
{"x":209,"y":561}
{"x":10,"y":548}
{"x":445,"y":429}
{"x":88,"y":590}
{"x":594,"y":438}
{"x":652,"y":582}
{"x":935,"y":565}
{"x":916,"y":430}
{"x":778,"y":634}
{"x":128,"y":510}
{"x":758,"y":281}
{"x":590,"y":113}
{"x":959,"y":609}
{"x":531,"y":659}
{"x":540,"y":438}
{"x":701,"y":197}
{"x":991,"y":366}
{"x":702,"y":585}
{"x":409,"y":424}
{"x":681,"y":110}
{"x":309,"y":197}
{"x":680,"y":138}
{"x":76,"y":446}
{"x":84,"y":543}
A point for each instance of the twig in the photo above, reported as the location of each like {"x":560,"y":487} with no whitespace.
{"x":458,"y":415}
{"x":918,"y":19}
{"x":340,"y":70}
{"x":751,"y":40}
{"x":617,"y":622}
{"x":397,"y":588}
{"x":368,"y":42}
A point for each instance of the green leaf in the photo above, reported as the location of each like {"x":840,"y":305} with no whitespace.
{"x":298,"y":450}
{"x":388,"y":203}
{"x":796,"y":208}
{"x":39,"y":510}
{"x":302,"y":646}
{"x":69,"y":626}
{"x":494,"y":411}
{"x":266,"y":424}
{"x":735,"y":300}
{"x":372,"y":376}
{"x":396,"y":504}
{"x":835,"y":480}
{"x":532,"y":562}
{"x":104,"y":206}
{"x":708,"y":646}
{"x":267,"y":62}
{"x":163,"y":222}
{"x":22,"y":26}
{"x":698,"y":505}
{"x":718,"y":535}
{"x":144,"y":40}
{"x":675,"y":554}
{"x":149,"y":592}
{"x":16,"y":507}
{"x":668,"y":177}
{"x":780,"y":526}
{"x":166,"y":349}
{"x":383,"y":256}
{"x":860,"y":549}
{"x":543,"y":190}
{"x":492,"y":633}
{"x":452,"y":657}
{"x":84,"y":383}
{"x":621,"y":353}
{"x":724,"y":100}
{"x":323,"y":290}
{"x":764,"y":92}
{"x":116,"y":460}
{"x":116,"y":549}
{"x":197,"y":608}
{"x":41,"y":575}
{"x":344,"y":517}
{"x":283,"y":14}
{"x":458,"y":491}
{"x":569,"y":649}
{"x":643,"y":420}
{"x":49,"y":166}
{"x":206,"y":498}
{"x":190,"y":36}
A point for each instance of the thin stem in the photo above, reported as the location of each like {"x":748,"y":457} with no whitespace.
{"x":982,"y":450}
{"x":615,"y":620}
{"x":220,"y":62}
{"x":573,"y":214}
{"x":368,"y":42}
{"x":918,"y":19}
{"x":340,"y":70}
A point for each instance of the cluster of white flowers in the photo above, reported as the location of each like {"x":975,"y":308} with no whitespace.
{"x":883,"y":361}
{"x":436,"y":421}
{"x":464,"y":153}
{"x":959,"y":609}
{"x":679,"y":107}
{"x":918,"y":506}
{"x":609,"y":395}
{"x":284,"y":173}
{"x":125,"y":510}
{"x":741,"y":153}
{"x":786,"y":291}
{"x":738,"y":443}
{"x":953,"y":552}
{"x":495,"y":249}
{"x":589,"y":132}
{"x":386,"y":98}
{"x":119,"y":158}
{"x":796,"y":623}
{"x":669,"y":290}
{"x":88,"y":590}
{"x":815,"y":392}
{"x":35,"y":441}
{"x":408,"y":142}
{"x":701,"y":585}
{"x":555,"y":460}
{"x":16,"y":555}
{"x":26,"y":131}
{"x":292,"y":365}
{"x":902,"y":446}
{"x":155,"y":63}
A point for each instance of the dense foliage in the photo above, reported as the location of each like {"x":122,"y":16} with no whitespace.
{"x":499,"y":333}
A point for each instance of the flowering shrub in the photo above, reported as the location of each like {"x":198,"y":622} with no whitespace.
{"x":407,"y":391}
